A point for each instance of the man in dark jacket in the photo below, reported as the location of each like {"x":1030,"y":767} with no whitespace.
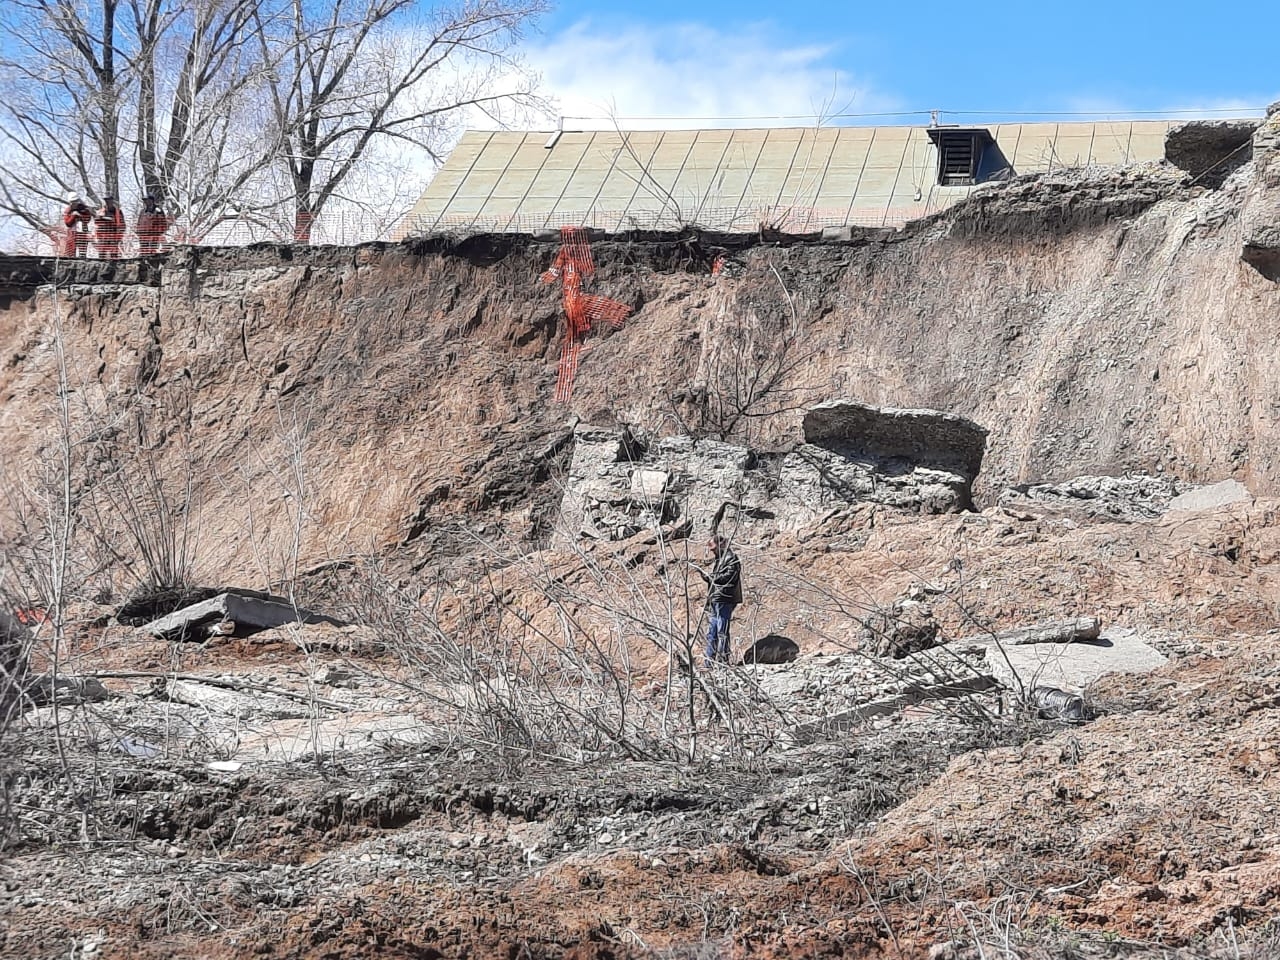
{"x":724,"y":592}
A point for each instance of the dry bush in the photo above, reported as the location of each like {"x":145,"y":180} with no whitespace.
{"x":752,"y":354}
{"x":559,"y":661}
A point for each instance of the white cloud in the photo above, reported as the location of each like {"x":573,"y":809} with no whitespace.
{"x":682,"y":75}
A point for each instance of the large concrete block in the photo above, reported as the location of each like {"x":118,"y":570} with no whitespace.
{"x":1071,"y":666}
{"x":249,"y":613}
{"x":928,"y":438}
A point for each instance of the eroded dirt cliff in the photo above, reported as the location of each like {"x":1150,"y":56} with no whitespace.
{"x":319,"y":420}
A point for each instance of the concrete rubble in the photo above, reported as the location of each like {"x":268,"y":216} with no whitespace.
{"x":1128,"y":499}
{"x":920,"y":461}
{"x":238,"y":613}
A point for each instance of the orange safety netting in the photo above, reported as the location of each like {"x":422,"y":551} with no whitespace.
{"x":573,"y":265}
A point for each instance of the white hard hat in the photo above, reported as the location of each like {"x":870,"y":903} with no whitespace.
{"x":72,"y":197}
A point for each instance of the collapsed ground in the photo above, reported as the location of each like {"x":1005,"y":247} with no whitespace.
{"x":372,"y":430}
{"x":884,"y":840}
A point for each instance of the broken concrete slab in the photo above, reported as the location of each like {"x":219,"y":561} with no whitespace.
{"x":249,"y":613}
{"x":1127,"y":499}
{"x":1070,"y":666}
{"x":229,"y":703}
{"x":910,"y":696}
{"x":1219,"y":494}
{"x":930,"y":438}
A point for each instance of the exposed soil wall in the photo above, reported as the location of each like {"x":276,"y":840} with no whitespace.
{"x":1093,"y":324}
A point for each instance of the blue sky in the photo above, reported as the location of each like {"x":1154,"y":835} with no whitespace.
{"x":800,"y":58}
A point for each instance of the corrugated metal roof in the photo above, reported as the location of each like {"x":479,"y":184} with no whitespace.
{"x":796,"y":179}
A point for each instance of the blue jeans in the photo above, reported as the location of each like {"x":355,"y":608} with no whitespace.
{"x":718,"y":616}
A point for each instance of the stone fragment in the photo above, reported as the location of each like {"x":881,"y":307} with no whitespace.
{"x":1074,"y":630}
{"x":905,"y":628}
{"x":1218,"y":494}
{"x":773,"y":648}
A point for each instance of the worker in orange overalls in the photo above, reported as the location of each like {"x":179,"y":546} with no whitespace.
{"x":109,"y":229}
{"x":151,"y":227}
{"x":76,"y":219}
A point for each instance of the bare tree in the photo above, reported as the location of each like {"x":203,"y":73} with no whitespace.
{"x":60,"y":104}
{"x":257,"y":111}
{"x":113,"y":97}
{"x":354,"y":72}
{"x":195,"y":64}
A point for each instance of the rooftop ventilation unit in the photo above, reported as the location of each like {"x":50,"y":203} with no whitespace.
{"x":960,"y":152}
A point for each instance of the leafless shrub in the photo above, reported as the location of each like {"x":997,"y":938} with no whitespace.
{"x":576,"y":656}
{"x":752,"y":353}
{"x":128,"y":496}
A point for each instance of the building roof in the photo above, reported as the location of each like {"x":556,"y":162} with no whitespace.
{"x":796,"y":179}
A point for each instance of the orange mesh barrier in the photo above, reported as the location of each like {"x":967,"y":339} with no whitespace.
{"x":572,"y":266}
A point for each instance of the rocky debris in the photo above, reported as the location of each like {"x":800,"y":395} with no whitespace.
{"x":22,"y":275}
{"x":772,"y":649}
{"x":1220,"y":494}
{"x":1067,"y":199}
{"x":356,"y":639}
{"x":924,"y":461}
{"x":247,"y":612}
{"x":1209,"y":150}
{"x":617,"y":486}
{"x":232,"y":704}
{"x":814,"y":479}
{"x":815,"y":688}
{"x":910,"y":695}
{"x":1129,"y":499}
{"x":916,"y":460}
{"x":906,"y":627}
